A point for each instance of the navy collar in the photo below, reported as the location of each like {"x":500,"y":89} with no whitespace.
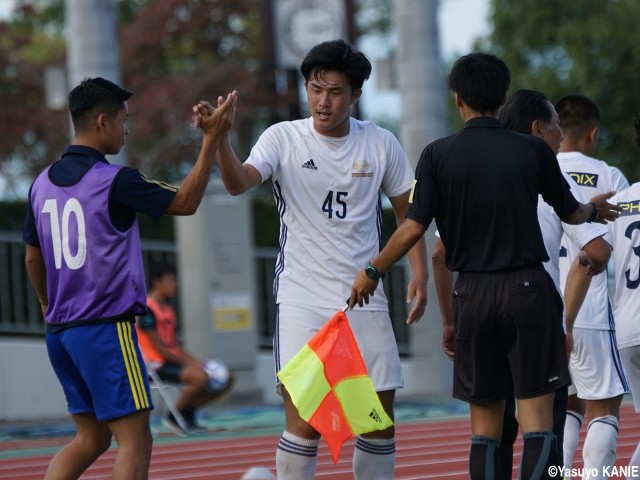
{"x":82,"y":150}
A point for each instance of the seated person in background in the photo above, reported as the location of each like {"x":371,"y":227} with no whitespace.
{"x":202,"y":381}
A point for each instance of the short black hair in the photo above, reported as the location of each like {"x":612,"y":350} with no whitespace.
{"x":481,"y":80}
{"x":524,"y":107}
{"x":578,"y":114}
{"x":93,"y":94}
{"x":337,"y":56}
{"x":158,"y":270}
{"x":636,"y":124}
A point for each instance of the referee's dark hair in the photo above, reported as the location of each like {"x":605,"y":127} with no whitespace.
{"x":337,"y":56}
{"x":94,"y":96}
{"x":523,"y":108}
{"x":481,"y":80}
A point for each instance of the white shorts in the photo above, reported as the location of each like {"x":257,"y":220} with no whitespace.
{"x":296,"y":324}
{"x":596,"y":368}
{"x":631,"y":360}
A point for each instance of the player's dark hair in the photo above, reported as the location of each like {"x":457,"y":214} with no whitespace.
{"x":157,"y":270}
{"x":481,"y":80}
{"x":578,"y":114}
{"x":337,"y":56}
{"x":94,"y":96}
{"x":524,"y":107}
{"x":636,"y":124}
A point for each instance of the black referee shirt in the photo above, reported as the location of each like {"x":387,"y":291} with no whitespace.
{"x":481,"y":185}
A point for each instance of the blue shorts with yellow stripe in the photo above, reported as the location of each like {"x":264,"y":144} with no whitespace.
{"x":100,"y":369}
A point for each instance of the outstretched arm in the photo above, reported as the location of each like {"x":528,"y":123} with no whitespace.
{"x":402,"y":240}
{"x":236,"y":176}
{"x":417,"y":288}
{"x":214,"y":124}
{"x":602,"y":212}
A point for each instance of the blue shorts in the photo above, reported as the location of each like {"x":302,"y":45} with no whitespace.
{"x":100,"y":369}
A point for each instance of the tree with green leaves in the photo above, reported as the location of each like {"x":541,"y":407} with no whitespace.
{"x":586,"y":46}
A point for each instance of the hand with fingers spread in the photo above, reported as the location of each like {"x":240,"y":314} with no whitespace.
{"x":216,"y":122}
{"x":606,"y":211}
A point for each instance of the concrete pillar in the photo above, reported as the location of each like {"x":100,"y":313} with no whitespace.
{"x":92,"y":44}
{"x":424,"y":118}
{"x":217,"y":284}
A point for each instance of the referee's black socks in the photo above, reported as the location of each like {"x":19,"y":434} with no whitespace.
{"x":484,"y":463}
{"x":538,"y":454}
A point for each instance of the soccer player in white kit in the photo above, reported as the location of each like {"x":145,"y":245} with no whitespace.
{"x":328,"y":172}
{"x":626,"y":300}
{"x":595,"y":364}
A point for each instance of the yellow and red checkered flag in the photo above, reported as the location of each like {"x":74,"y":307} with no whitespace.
{"x":329,"y":385}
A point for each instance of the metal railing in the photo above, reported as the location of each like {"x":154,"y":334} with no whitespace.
{"x":20,"y":311}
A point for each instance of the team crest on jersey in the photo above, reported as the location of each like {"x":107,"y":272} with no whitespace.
{"x":361,"y":169}
{"x":585,"y":179}
{"x":629,"y":208}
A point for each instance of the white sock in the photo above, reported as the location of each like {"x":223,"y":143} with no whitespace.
{"x":374,"y":459}
{"x":572,"y":427}
{"x":296,"y":458}
{"x":635,"y":458}
{"x":599,"y":448}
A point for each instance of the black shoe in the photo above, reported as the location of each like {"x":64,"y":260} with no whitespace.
{"x":192,"y":425}
{"x":172,"y":424}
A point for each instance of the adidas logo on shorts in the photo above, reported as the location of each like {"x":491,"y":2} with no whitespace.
{"x":310,"y":165}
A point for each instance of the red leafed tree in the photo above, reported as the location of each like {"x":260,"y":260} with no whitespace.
{"x":173,"y":53}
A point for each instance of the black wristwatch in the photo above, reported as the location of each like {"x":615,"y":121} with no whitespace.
{"x":372,"y":272}
{"x":594,"y":215}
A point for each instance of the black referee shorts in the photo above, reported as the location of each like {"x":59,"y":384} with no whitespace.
{"x":509,"y":339}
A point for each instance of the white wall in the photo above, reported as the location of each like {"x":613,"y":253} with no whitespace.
{"x":29,"y":390}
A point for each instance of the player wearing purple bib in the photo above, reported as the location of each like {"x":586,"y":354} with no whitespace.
{"x":84,"y":262}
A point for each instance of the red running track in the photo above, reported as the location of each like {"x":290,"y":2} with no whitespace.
{"x":436,"y":449}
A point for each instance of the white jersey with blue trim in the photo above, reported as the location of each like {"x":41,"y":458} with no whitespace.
{"x":330,"y":206}
{"x":553,"y":230}
{"x":626,"y":239}
{"x":593,"y":177}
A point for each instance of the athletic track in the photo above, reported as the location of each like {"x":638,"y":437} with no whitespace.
{"x":428,"y":449}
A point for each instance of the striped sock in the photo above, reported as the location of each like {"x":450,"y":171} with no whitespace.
{"x":374,"y":458}
{"x":599,"y":448}
{"x":296,"y":458}
{"x":571,"y":436}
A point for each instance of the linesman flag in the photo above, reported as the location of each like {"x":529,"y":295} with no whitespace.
{"x":329,"y":385}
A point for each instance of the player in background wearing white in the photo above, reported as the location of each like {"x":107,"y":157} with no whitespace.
{"x":529,"y":111}
{"x":626,"y":299}
{"x":595,"y":365}
{"x":328,"y":172}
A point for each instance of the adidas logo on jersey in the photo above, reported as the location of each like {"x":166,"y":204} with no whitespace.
{"x":310,"y":165}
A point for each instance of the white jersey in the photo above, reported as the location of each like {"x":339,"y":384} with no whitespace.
{"x":593,"y":177}
{"x":553,"y":229}
{"x":626,"y":238}
{"x":330,"y":206}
